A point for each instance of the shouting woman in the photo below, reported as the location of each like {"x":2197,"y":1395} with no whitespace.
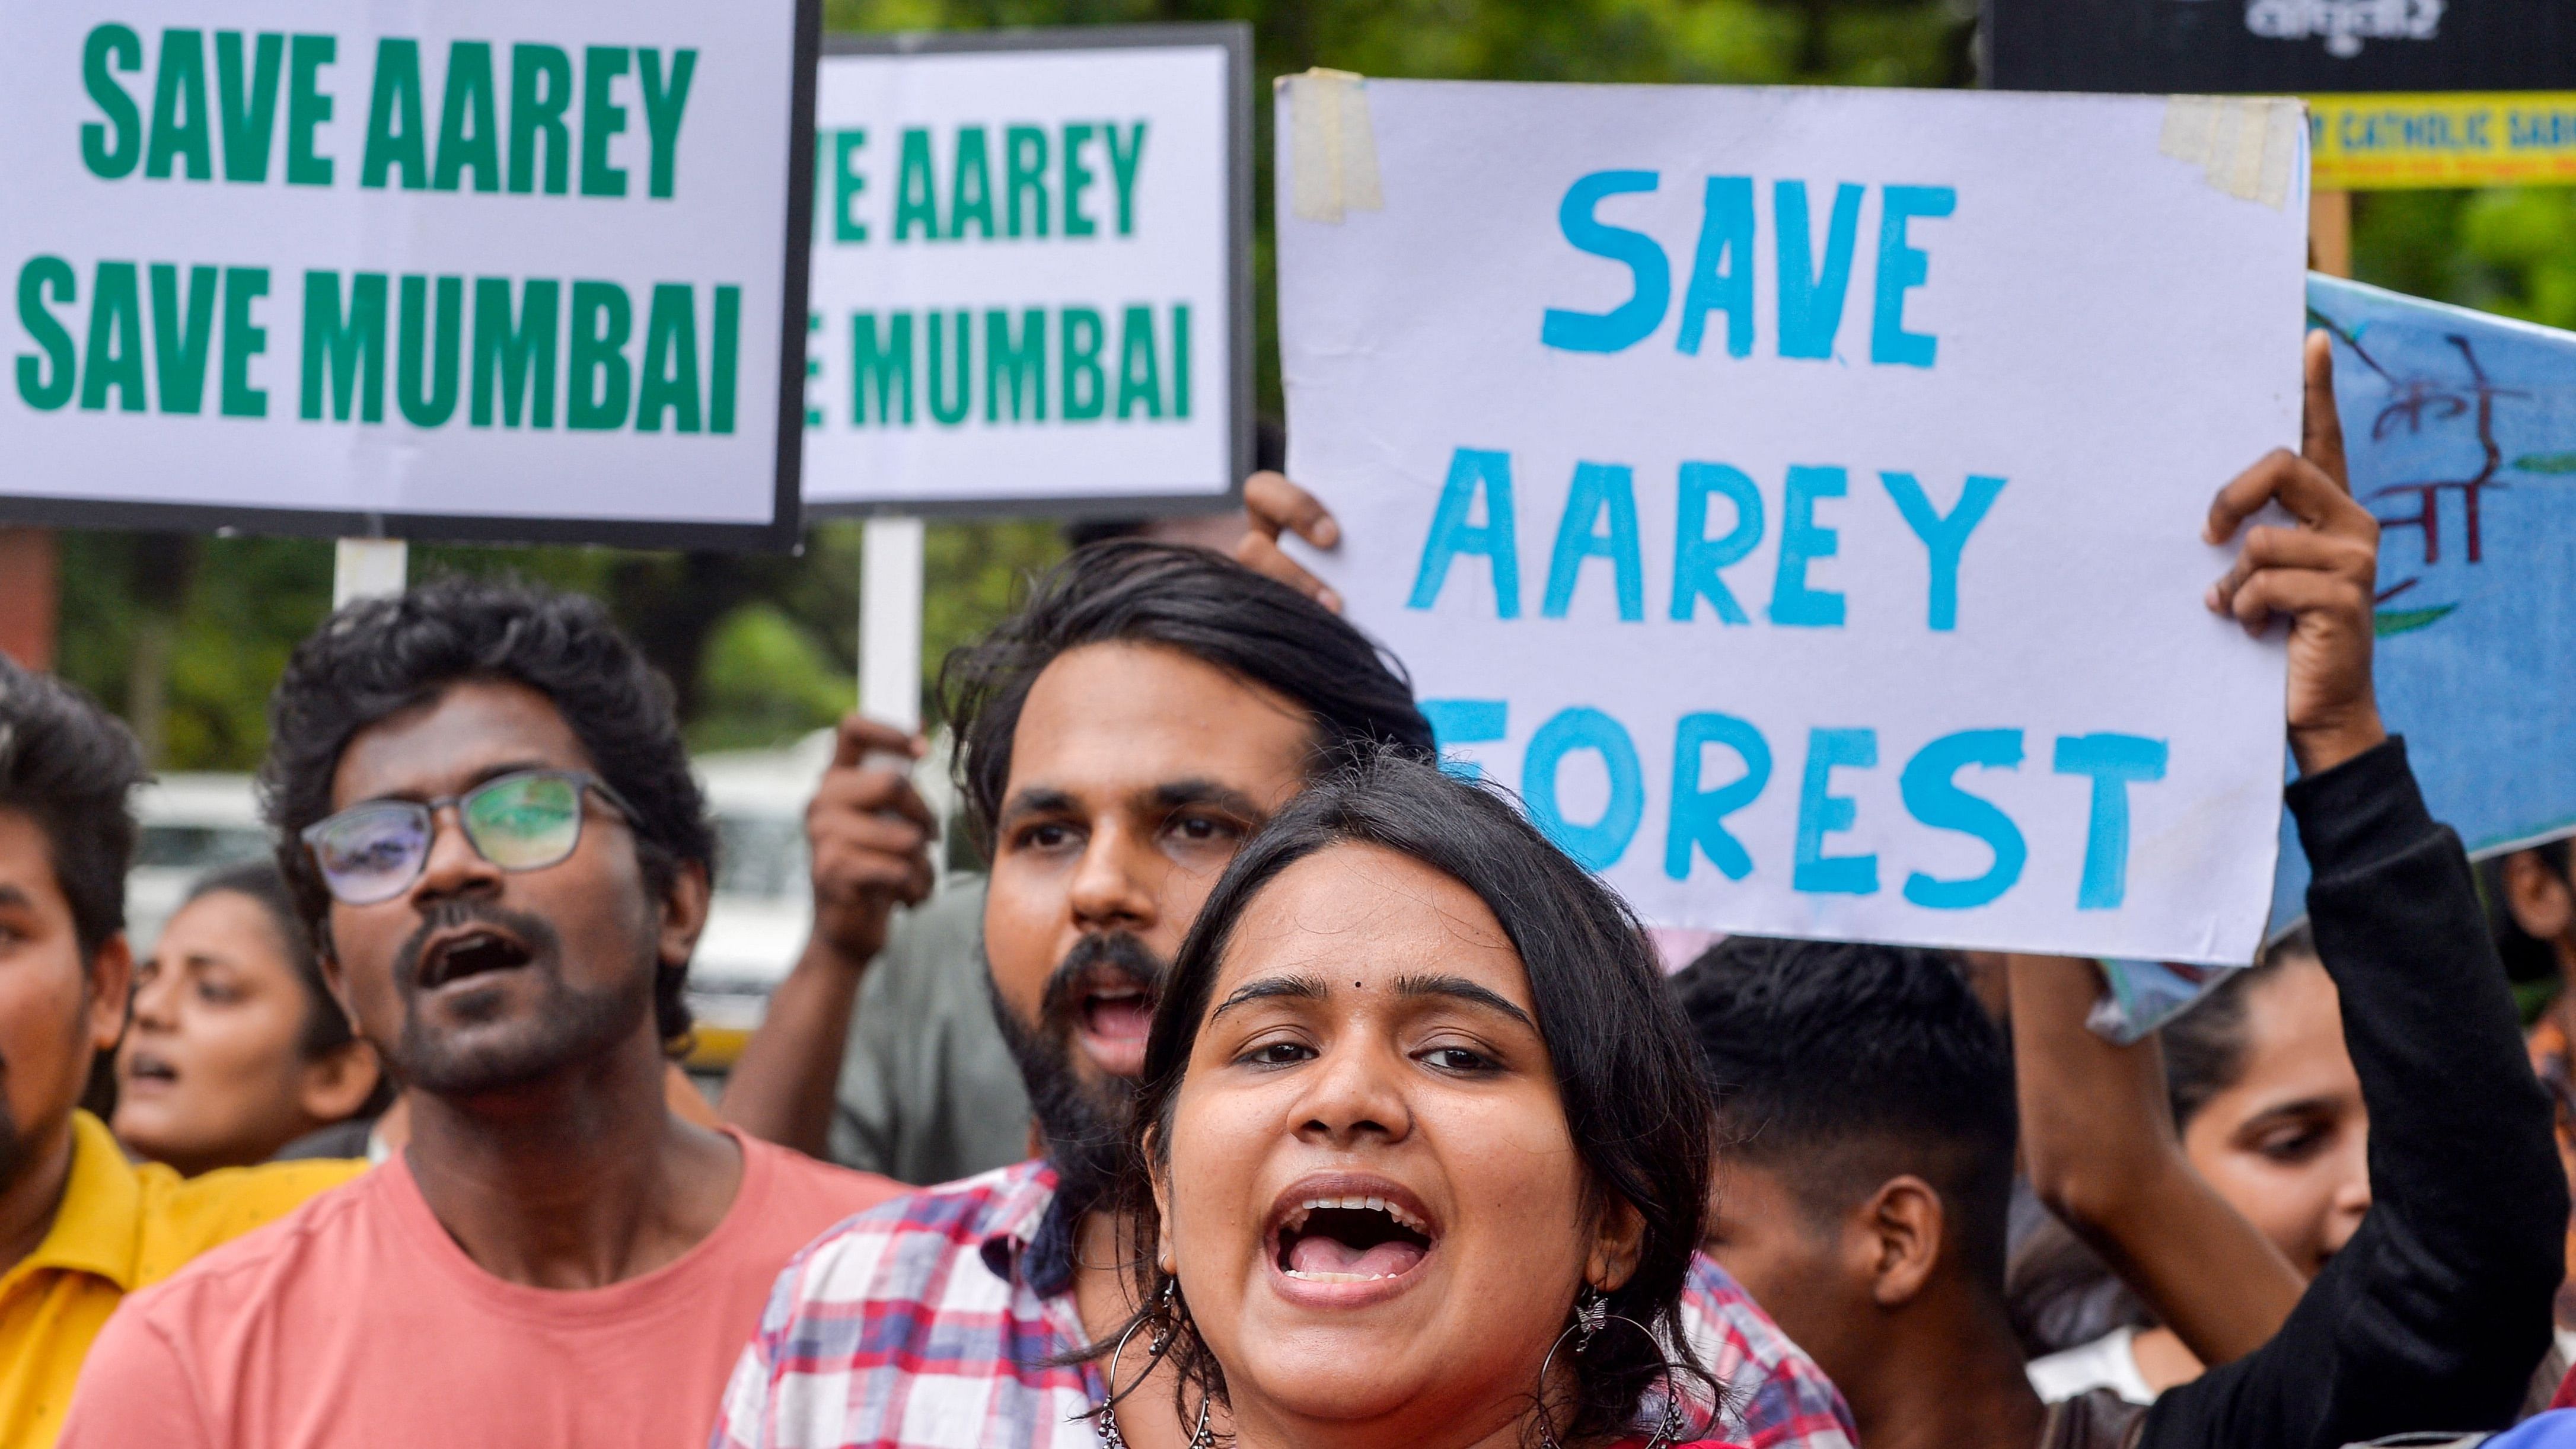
{"x":1421,"y":1152}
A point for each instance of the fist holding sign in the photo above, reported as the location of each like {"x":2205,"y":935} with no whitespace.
{"x":1798,"y":496}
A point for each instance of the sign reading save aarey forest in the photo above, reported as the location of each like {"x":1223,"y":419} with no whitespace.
{"x":1032,"y":271}
{"x":1796,"y":495}
{"x":466,"y":269}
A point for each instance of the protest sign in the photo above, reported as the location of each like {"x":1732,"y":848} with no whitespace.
{"x":2278,"y":45}
{"x":467,"y":270}
{"x":1032,"y":272}
{"x":1796,"y":495}
{"x":2461,"y":431}
{"x":2396,"y":142}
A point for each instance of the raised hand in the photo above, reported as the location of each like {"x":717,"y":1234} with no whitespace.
{"x":1272,"y":504}
{"x":2320,"y":574}
{"x":869,"y":833}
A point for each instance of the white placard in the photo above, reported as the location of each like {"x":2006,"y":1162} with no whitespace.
{"x":463,"y":269}
{"x":1796,"y":494}
{"x":1030,"y":273}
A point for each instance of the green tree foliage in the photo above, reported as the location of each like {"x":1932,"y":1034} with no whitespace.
{"x":2510,"y":250}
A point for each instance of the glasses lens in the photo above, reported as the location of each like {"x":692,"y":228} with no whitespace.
{"x":524,"y":821}
{"x":372,"y":853}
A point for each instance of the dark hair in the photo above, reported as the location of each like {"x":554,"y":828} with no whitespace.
{"x":1191,"y":599}
{"x":2526,"y":957}
{"x":2060,"y":1292}
{"x":378,"y":657}
{"x":1842,"y":1064}
{"x":2205,"y":1047}
{"x":71,"y":767}
{"x":1634,"y":1107}
{"x":326,"y":1026}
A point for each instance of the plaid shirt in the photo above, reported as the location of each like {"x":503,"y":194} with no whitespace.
{"x":929,"y":1323}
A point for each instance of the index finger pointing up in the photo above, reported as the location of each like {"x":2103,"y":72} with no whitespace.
{"x":2321,"y":431}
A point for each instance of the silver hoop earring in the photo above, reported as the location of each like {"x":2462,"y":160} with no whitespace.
{"x":1591,"y":1315}
{"x":1106,"y":1411}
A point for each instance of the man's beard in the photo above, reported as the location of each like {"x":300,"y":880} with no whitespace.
{"x":13,"y":1148}
{"x":1084,"y":1123}
{"x":567,"y":1025}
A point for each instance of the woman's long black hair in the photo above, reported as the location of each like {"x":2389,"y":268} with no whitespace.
{"x":1635,"y":1108}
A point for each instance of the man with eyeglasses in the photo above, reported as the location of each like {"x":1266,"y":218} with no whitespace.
{"x":488,"y":817}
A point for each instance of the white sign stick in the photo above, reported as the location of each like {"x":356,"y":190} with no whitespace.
{"x":364,"y":568}
{"x":890,"y":582}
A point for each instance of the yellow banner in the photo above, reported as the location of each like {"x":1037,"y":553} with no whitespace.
{"x":2394,"y":142}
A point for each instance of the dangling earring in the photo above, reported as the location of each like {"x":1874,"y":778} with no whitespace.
{"x":1591,"y":1315}
{"x":1166,"y":1320}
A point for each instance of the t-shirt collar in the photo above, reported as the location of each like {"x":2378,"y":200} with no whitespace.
{"x":98,"y":1226}
{"x":1028,"y":1236}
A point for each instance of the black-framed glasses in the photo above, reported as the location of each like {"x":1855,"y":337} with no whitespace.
{"x":523,"y":821}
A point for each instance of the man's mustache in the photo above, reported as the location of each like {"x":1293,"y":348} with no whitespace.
{"x":533,"y":932}
{"x":1118,"y":951}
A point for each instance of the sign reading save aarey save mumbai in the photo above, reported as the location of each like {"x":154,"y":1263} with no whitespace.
{"x":466,"y":269}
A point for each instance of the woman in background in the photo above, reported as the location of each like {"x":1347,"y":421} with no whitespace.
{"x":236,"y":1051}
{"x":2265,"y":1108}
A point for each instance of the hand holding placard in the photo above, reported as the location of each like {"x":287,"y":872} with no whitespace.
{"x":2321,"y":574}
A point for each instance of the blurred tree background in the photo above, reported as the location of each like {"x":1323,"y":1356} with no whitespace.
{"x":184,"y":635}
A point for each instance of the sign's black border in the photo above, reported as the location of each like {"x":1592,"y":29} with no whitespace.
{"x":780,"y":534}
{"x":1236,"y":39}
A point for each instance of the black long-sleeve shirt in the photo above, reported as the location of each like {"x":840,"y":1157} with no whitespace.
{"x":2437,"y":1311}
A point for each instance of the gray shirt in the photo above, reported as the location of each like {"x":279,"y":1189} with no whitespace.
{"x":929,"y":1092}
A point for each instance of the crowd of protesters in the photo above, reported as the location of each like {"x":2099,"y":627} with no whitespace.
{"x":1271,"y":1085}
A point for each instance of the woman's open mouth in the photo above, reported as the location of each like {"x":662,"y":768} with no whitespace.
{"x":1348,"y":1240}
{"x":145,"y":1072}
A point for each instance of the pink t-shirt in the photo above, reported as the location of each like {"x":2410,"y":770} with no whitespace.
{"x":358,"y":1323}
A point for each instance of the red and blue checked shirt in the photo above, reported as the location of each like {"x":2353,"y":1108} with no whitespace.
{"x":931,"y":1323}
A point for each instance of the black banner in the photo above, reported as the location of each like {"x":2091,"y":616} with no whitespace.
{"x":2279,"y":46}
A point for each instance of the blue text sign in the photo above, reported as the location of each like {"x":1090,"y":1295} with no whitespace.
{"x":1795,"y":496}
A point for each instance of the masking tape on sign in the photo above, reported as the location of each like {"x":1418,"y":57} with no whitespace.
{"x":2245,"y":146}
{"x":1332,"y":147}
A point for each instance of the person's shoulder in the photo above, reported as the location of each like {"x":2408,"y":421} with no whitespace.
{"x":185,"y":1217}
{"x":1778,"y":1397}
{"x":246,"y":1272}
{"x":798,"y":1178}
{"x":904,"y":1243}
{"x":1727,"y":1326}
{"x":930,"y":954}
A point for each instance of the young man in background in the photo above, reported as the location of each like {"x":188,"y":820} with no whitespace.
{"x":488,"y":816}
{"x":80,"y":1227}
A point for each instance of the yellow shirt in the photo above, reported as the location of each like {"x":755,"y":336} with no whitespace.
{"x":120,"y":1227}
